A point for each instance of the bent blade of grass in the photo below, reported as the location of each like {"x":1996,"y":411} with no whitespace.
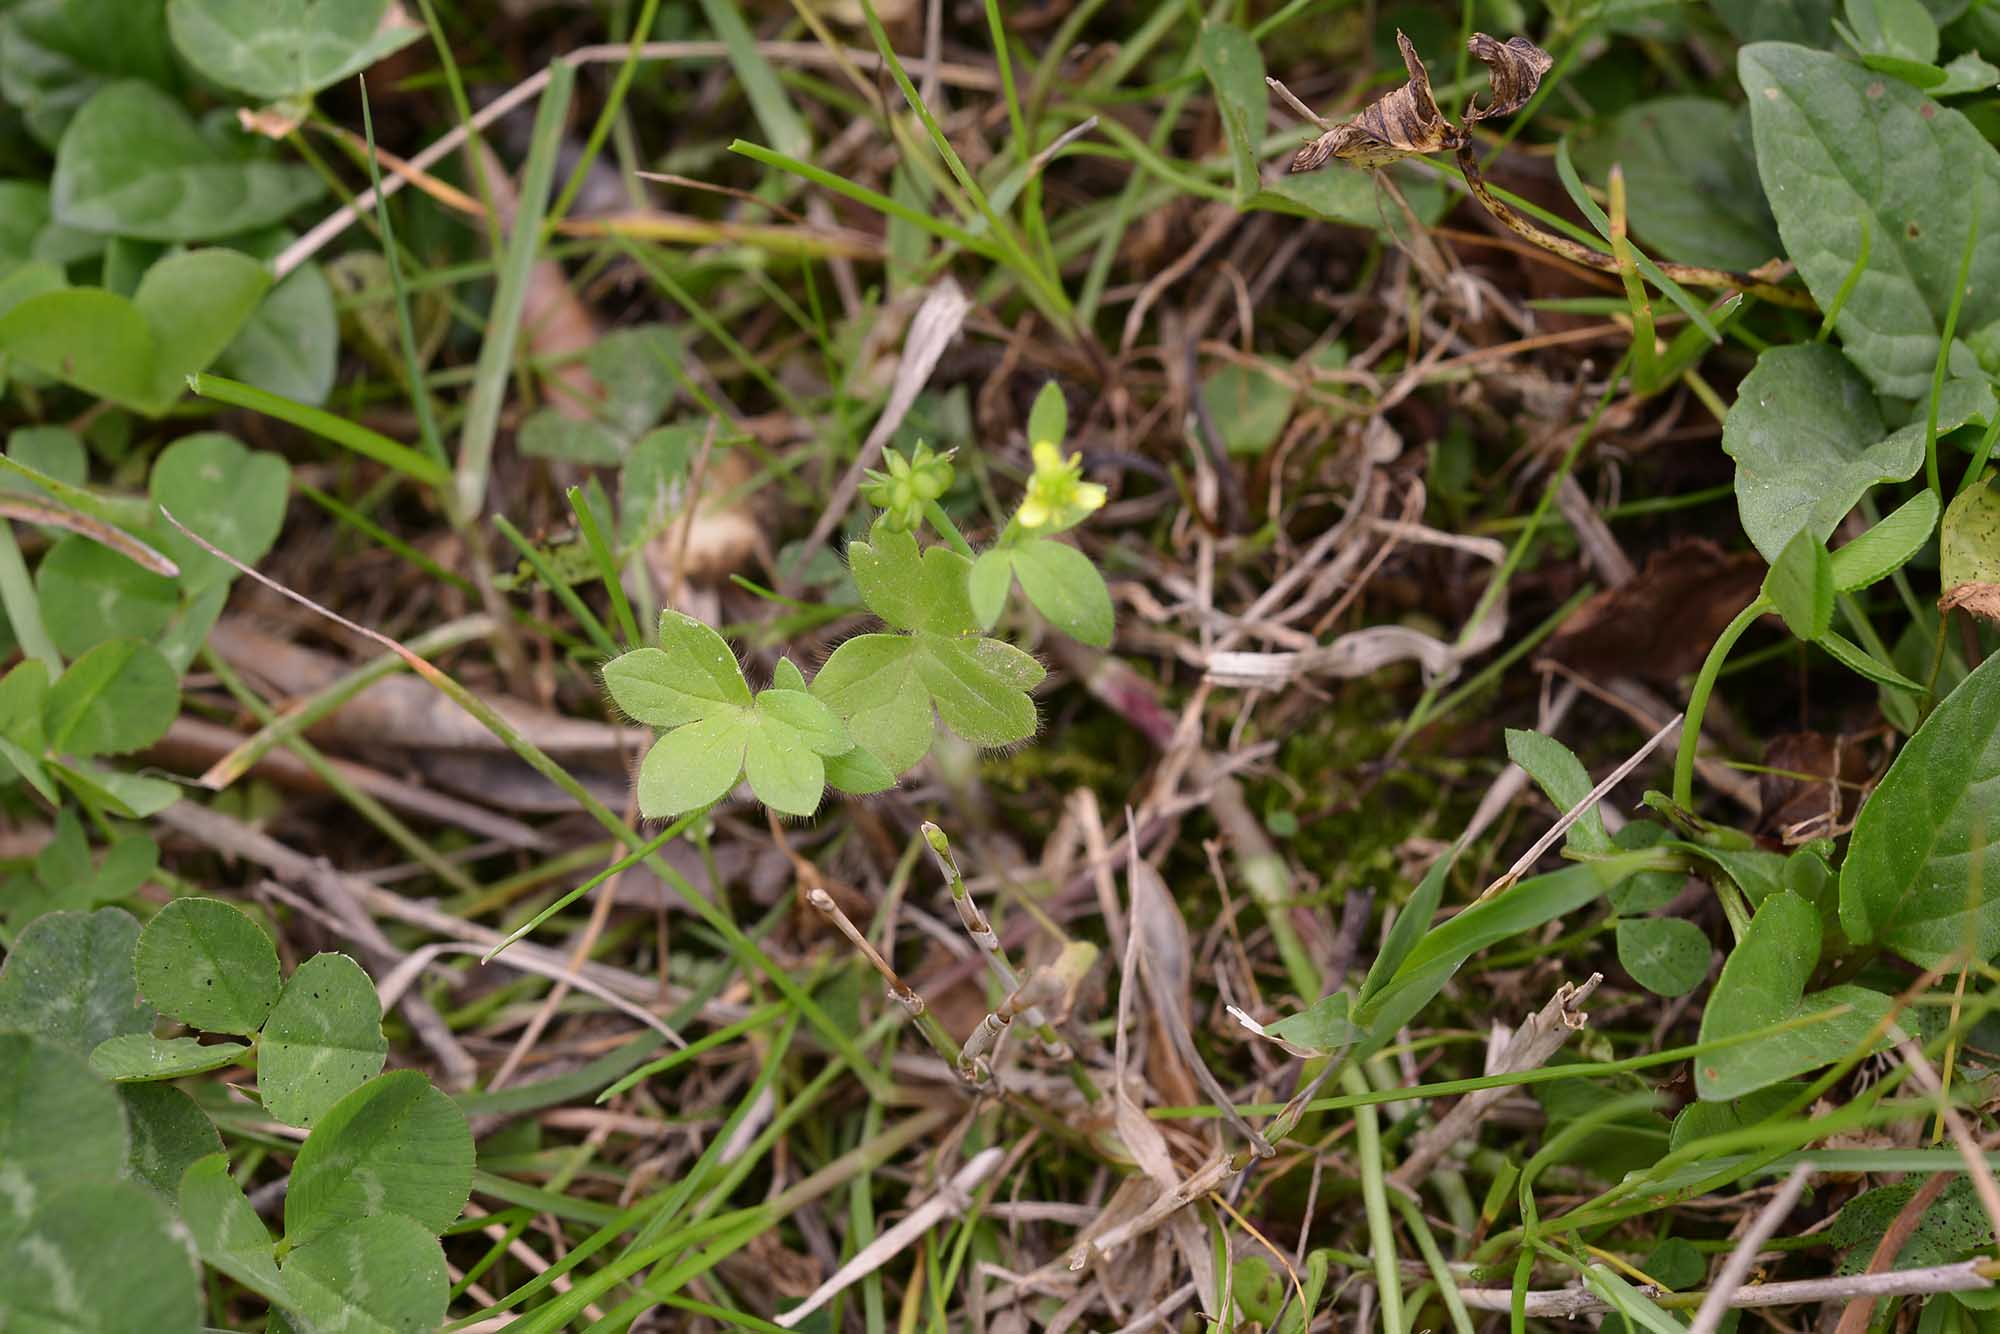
{"x":352,"y":436}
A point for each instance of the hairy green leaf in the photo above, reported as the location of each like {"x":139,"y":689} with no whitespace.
{"x":1048,"y":418}
{"x":908,"y":589}
{"x":692,"y":675}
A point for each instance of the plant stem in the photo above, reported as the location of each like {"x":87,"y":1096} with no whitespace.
{"x":1704,"y":685}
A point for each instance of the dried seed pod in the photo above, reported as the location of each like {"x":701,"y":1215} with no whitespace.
{"x":1516,"y":67}
{"x":1388,"y":129}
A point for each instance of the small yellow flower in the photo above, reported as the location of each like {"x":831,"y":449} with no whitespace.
{"x":1057,"y":497}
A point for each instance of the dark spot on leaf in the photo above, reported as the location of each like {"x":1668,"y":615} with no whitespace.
{"x":1875,"y":91}
{"x":1928,"y":111}
{"x":1911,"y":230}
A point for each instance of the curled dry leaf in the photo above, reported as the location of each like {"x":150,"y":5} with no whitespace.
{"x":1516,"y":67}
{"x":1392,"y":127}
{"x":1408,"y":121}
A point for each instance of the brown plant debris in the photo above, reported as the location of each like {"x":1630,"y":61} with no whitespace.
{"x":1407,"y":121}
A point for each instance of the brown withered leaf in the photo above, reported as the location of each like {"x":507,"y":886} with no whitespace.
{"x":1388,"y":129}
{"x":1516,"y":67}
{"x":1659,"y":624}
{"x":1981,"y":600}
{"x":1812,"y":786}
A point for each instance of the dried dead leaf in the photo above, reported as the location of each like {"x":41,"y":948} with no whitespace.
{"x":1516,"y":67}
{"x":1388,"y":129}
{"x":1981,"y":600}
{"x":1658,"y":626}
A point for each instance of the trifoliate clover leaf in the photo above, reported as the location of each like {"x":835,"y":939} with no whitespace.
{"x":909,"y":589}
{"x":890,"y":690}
{"x":717,"y":731}
{"x":1058,"y":579}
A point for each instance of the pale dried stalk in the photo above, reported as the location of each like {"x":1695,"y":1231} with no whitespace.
{"x":1574,"y":1303}
{"x":1576,"y":812}
{"x":1540,"y":1036}
{"x":954,"y":1198}
{"x":899,"y":990}
{"x":1737,"y":1267}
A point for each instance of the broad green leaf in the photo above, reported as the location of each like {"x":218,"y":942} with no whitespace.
{"x":1763,"y":983}
{"x":786,"y":775}
{"x":912,"y":591}
{"x":1251,"y":406}
{"x":24,"y":211}
{"x":636,"y":369}
{"x":55,"y":451}
{"x":208,"y":965}
{"x":1843,"y":150}
{"x":1808,"y":442}
{"x":1322,"y":1028}
{"x":169,"y":1132}
{"x":291,"y":343}
{"x":277,"y":49}
{"x":138,"y":352}
{"x":322,"y":1041}
{"x":372,"y":1276}
{"x":1066,"y":588}
{"x":90,"y":593}
{"x":1888,"y":546}
{"x":986,"y":587}
{"x":101,"y":1256}
{"x":54,"y":54}
{"x":692,"y":675}
{"x":786,"y":708}
{"x":226,"y":1228}
{"x":1920,"y":875}
{"x":885,"y":687}
{"x":1805,"y":21}
{"x":133,"y":163}
{"x":63,"y":864}
{"x":1692,"y":181}
{"x":1235,"y":69}
{"x":1559,"y":774}
{"x":1048,"y":418}
{"x":131,"y":796}
{"x":1969,"y":542}
{"x":651,"y":486}
{"x":1800,"y":585}
{"x":859,"y":772}
{"x":547,"y":434}
{"x":140,"y":1057}
{"x":1668,"y":956}
{"x":232,"y":495}
{"x":68,"y":979}
{"x":119,"y":697}
{"x":694,"y":765}
{"x":1900,"y":29}
{"x":58,"y":1124}
{"x":393,"y":1146}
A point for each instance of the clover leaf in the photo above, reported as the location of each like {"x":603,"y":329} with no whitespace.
{"x":890,"y":689}
{"x":716,"y":731}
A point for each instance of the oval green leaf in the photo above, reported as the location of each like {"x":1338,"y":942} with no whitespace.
{"x":375,"y":1276}
{"x":1668,"y":956}
{"x":322,"y":1041}
{"x":208,"y":965}
{"x":393,"y":1146}
{"x":140,"y":1057}
{"x":119,"y":697}
{"x":1066,"y":588}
